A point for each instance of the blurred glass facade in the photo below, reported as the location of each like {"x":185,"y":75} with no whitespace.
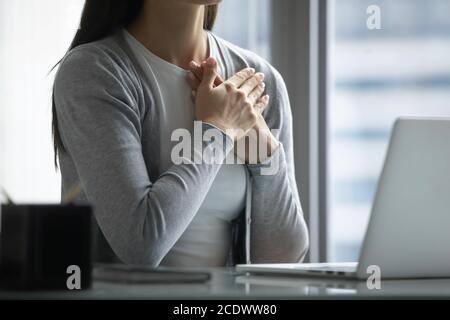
{"x":34,"y":35}
{"x":378,"y":75}
{"x":246,"y":24}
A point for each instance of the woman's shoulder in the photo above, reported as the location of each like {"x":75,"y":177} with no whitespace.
{"x":97,"y":68}
{"x":86,"y":59}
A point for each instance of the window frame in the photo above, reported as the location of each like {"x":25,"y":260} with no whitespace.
{"x":300,"y":46}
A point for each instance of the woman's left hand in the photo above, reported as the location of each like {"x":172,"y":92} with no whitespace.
{"x":261,"y":128}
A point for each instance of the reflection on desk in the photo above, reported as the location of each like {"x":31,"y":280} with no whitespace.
{"x":336,"y":288}
{"x":225,"y":283}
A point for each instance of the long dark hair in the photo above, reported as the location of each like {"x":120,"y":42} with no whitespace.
{"x":99,"y":19}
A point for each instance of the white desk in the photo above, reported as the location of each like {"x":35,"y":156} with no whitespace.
{"x":226,"y":284}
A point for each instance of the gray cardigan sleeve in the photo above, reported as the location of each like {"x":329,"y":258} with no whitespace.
{"x":278,"y":229}
{"x":100,"y":125}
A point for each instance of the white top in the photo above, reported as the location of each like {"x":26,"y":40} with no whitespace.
{"x":207,"y":239}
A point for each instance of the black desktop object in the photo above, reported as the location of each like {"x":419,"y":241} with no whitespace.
{"x":45,"y":247}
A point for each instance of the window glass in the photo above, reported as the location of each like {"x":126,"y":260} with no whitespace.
{"x":377,"y":75}
{"x":34,"y":35}
{"x":246,"y":24}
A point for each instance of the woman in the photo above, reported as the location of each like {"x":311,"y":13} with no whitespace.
{"x":121,"y":92}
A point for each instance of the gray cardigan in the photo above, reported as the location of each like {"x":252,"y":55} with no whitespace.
{"x":108,"y":120}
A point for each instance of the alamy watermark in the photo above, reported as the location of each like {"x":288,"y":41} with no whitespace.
{"x":374,"y":17}
{"x":374,"y":279}
{"x":74,"y":279}
{"x":211,"y":147}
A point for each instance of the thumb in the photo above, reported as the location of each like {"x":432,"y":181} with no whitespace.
{"x":209,"y":73}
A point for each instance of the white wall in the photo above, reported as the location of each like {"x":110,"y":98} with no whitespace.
{"x":34,"y":35}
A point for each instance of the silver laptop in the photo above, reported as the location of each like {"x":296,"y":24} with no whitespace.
{"x":408,"y":235}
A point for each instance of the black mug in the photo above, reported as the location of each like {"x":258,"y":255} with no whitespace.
{"x":45,"y":247}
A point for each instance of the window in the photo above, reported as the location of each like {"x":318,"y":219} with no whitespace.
{"x":246,"y":24}
{"x":378,"y":75}
{"x":34,"y":35}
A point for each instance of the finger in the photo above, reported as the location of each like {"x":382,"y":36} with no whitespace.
{"x":239,"y":78}
{"x":197,"y":70}
{"x":218,"y":81}
{"x":193,"y":95}
{"x":252,"y":83}
{"x":262,"y":104}
{"x":254,"y":96}
{"x":209,"y":73}
{"x":192,"y":81}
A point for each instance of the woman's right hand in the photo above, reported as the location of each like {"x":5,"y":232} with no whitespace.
{"x":234,"y":104}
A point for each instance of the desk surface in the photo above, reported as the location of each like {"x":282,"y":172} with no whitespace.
{"x":227,"y":284}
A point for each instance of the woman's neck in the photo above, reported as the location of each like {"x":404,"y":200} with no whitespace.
{"x":173,"y":31}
